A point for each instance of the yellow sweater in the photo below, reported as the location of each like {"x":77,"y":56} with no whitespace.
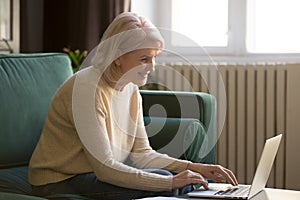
{"x":124,"y":149}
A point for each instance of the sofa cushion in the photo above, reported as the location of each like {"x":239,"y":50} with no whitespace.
{"x":27,"y":84}
{"x":178,"y":137}
{"x":14,"y":180}
{"x":14,"y":185}
{"x":11,"y":196}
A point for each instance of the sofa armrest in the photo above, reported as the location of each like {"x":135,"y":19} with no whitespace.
{"x":191,"y":105}
{"x":182,"y":138}
{"x":177,"y":104}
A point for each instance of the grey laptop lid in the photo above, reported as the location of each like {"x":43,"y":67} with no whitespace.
{"x":261,"y":175}
{"x":265,"y":165}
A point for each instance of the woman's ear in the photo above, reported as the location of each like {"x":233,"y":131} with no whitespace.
{"x":118,"y":62}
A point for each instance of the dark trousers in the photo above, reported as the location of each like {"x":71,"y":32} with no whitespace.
{"x":90,"y":186}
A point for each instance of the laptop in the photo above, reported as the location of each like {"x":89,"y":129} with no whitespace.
{"x":227,"y":191}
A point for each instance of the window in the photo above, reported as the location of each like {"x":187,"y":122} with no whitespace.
{"x":9,"y":26}
{"x":273,"y":26}
{"x":195,"y":23}
{"x":226,"y":27}
{"x":5,"y":19}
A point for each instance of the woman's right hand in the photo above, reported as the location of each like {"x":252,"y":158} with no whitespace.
{"x":188,"y":177}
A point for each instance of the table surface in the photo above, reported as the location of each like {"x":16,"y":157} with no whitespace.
{"x":266,"y":194}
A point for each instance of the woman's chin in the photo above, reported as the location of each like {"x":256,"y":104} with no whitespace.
{"x":141,"y":82}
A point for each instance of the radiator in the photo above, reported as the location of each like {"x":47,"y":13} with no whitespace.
{"x":252,"y":106}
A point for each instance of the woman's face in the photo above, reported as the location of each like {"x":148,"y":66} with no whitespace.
{"x":137,"y":65}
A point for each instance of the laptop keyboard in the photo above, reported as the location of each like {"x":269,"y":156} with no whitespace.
{"x":239,"y":191}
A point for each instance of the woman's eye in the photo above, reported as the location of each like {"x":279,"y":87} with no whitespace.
{"x":144,"y":59}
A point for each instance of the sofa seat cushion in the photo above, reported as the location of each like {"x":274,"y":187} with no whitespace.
{"x":15,"y":180}
{"x":14,"y":185}
{"x":12,"y":196}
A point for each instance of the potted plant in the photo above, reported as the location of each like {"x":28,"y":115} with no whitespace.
{"x":76,"y":57}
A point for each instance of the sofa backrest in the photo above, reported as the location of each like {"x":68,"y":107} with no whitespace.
{"x":27,"y":85}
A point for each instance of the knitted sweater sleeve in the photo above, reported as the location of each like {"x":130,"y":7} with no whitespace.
{"x":119,"y":174}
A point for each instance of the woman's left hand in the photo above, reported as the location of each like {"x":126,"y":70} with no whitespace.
{"x":217,"y":173}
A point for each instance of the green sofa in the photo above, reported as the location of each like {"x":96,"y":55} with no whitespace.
{"x":27,"y":85}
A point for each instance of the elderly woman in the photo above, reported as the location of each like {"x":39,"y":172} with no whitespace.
{"x":94,"y":142}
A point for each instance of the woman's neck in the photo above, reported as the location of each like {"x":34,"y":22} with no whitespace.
{"x":119,"y":85}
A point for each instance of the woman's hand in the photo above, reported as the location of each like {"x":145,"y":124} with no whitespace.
{"x":188,"y":177}
{"x":217,"y":173}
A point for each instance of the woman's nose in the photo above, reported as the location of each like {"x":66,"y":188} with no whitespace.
{"x":152,"y":65}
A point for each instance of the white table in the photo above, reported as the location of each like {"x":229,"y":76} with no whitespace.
{"x":266,"y":194}
{"x":276,"y":194}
